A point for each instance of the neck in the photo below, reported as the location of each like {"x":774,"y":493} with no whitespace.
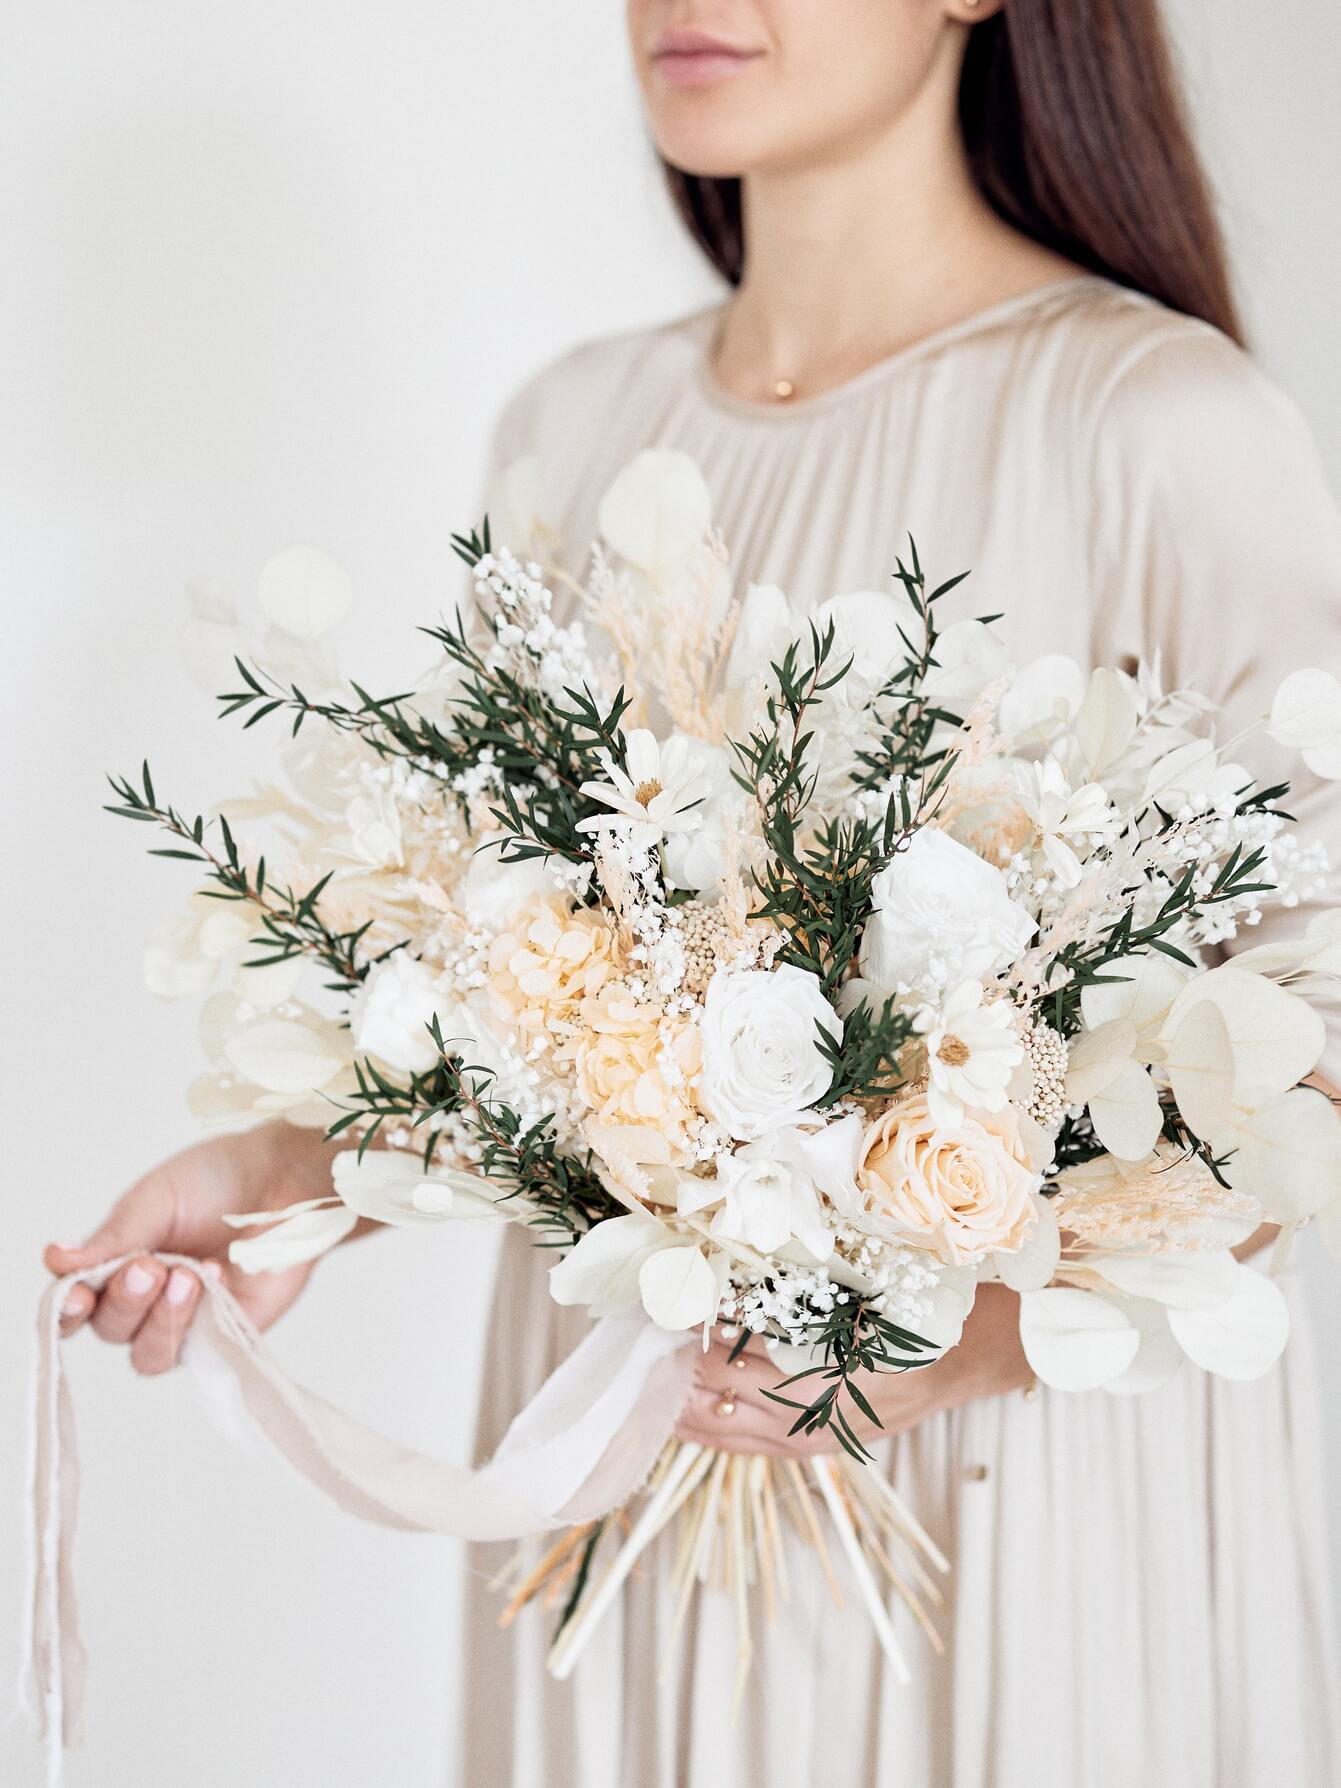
{"x":850,"y":259}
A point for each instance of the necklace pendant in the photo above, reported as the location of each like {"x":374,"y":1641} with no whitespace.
{"x":783,"y":389}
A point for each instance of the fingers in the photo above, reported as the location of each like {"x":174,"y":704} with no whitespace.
{"x":127,"y":1299}
{"x":158,"y":1340}
{"x":728,"y":1407}
{"x":78,"y":1307}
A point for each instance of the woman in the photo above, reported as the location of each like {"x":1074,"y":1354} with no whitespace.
{"x":979,"y":294}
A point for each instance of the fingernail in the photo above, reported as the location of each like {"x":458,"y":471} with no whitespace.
{"x":139,"y":1280}
{"x":179,"y":1285}
{"x":69,"y":1247}
{"x":74,"y":1301}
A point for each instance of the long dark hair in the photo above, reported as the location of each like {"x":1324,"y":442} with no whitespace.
{"x":1076,"y":133}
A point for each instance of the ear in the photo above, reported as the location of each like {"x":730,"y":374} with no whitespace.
{"x":972,"y":12}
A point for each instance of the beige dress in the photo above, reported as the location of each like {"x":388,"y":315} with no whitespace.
{"x":1140,"y":1588}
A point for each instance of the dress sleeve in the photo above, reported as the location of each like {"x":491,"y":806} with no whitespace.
{"x":1217,"y":542}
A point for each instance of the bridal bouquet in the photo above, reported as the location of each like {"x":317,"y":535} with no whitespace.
{"x":791,"y":975}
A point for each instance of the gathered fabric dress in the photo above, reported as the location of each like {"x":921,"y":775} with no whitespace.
{"x":1140,"y":1592}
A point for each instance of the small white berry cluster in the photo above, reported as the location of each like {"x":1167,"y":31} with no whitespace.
{"x":1046,"y":1052}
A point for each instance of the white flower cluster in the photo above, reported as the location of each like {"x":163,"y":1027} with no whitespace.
{"x":785,"y":1303}
{"x":527,"y":642}
{"x":791,"y":1104}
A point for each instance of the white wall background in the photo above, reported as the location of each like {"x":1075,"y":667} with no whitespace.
{"x":267,"y":271}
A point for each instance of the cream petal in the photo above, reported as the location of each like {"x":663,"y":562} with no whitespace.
{"x":283,"y":1056}
{"x":1276,"y":1036}
{"x":1107,"y":719}
{"x":1046,"y":691}
{"x":1179,"y":1281}
{"x":1200,"y":1065}
{"x":210,"y":599}
{"x":1096,"y":1058}
{"x":1241,"y":1338}
{"x":303,"y":591}
{"x":1158,"y":1356}
{"x":294,"y":1239}
{"x":1126,"y":1116}
{"x":259,"y":1219}
{"x":211,"y":650}
{"x":173,"y":968}
{"x":1306,"y":712}
{"x":1148,"y":986}
{"x":211,"y":1101}
{"x":1031,"y":1266}
{"x":1324,"y":760}
{"x":657,"y":510}
{"x":268,"y":986}
{"x":601,"y":1270}
{"x":390,"y":1186}
{"x":678,"y":1288}
{"x":969,"y":656}
{"x":1287,"y":1154}
{"x":1075,"y":1340}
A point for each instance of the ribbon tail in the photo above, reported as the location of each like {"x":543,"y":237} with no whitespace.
{"x":585,"y":1442}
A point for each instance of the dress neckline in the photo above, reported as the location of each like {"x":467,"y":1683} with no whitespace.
{"x":772,"y":410}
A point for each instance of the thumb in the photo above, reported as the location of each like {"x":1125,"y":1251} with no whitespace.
{"x":105,"y":1243}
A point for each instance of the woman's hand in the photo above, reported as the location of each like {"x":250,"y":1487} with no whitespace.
{"x":177,"y":1208}
{"x":988,"y":1362}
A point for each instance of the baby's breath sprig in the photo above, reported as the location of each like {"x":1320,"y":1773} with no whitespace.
{"x":291,"y":922}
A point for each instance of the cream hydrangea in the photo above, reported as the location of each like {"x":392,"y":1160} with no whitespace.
{"x":633,"y":1065}
{"x":548,"y":960}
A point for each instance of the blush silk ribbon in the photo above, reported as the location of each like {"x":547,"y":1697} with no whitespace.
{"x":585,"y":1443}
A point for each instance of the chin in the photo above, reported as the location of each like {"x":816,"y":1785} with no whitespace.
{"x":715,"y":148}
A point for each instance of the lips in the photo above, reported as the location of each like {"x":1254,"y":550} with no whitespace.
{"x":694,"y":59}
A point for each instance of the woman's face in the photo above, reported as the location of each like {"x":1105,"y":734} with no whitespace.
{"x":745,"y":86}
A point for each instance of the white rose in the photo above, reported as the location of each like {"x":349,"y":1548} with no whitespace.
{"x":390,"y":1014}
{"x":762,"y":1064}
{"x":941,"y":915}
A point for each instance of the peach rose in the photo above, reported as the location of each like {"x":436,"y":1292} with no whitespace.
{"x":961,"y":1190}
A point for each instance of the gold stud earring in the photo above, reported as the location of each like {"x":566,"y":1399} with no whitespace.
{"x":727,"y":1406}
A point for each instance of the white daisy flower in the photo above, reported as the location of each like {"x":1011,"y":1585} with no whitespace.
{"x":972,"y":1050}
{"x":657,"y":793}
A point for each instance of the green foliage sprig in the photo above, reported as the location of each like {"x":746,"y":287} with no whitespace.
{"x":906,"y":746}
{"x":1083,"y":964}
{"x":542,"y":750}
{"x":854,"y":1338}
{"x":291,"y":922}
{"x":564,"y":1190}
